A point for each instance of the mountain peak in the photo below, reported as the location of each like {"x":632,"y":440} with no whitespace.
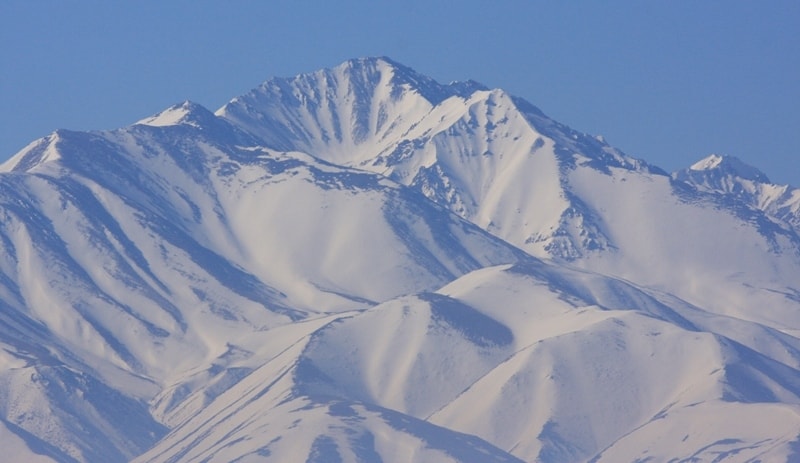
{"x":405,"y":77}
{"x":729,"y":165}
{"x":734,"y":179}
{"x":36,"y":153}
{"x":333,"y":112}
{"x":372,"y":61}
{"x":185,"y":113}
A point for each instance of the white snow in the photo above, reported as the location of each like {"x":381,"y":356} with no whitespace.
{"x":172,"y":116}
{"x":710,"y":162}
{"x":345,"y":266}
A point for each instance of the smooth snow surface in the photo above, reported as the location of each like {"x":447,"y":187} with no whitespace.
{"x":360,"y":264}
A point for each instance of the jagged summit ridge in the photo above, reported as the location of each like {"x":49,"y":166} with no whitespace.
{"x":337,"y":109}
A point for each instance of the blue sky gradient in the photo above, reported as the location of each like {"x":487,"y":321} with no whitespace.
{"x":668,"y":82}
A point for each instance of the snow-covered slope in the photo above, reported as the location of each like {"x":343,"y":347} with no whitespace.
{"x":493,"y":159}
{"x":345,"y":266}
{"x":499,"y":162}
{"x":146,"y":255}
{"x":548,"y":364}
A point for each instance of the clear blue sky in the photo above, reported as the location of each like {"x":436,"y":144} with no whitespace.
{"x":669,"y":82}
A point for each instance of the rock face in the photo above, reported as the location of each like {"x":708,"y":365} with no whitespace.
{"x":362,"y":264}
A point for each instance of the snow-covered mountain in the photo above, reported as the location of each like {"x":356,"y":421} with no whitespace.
{"x":363,"y":264}
{"x":491,"y":158}
{"x":735,"y":181}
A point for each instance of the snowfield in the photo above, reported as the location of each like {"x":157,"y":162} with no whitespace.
{"x":360,"y":264}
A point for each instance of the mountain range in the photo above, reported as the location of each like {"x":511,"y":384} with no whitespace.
{"x":363,"y":264}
